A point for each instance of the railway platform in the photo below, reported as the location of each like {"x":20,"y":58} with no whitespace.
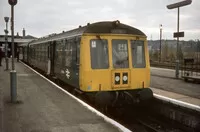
{"x":42,"y":107}
{"x":164,"y":83}
{"x":177,"y":96}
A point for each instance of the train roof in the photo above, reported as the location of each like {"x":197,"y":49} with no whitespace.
{"x":105,"y":27}
{"x":112,"y":27}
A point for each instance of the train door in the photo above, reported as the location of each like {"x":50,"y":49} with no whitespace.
{"x":76,"y":62}
{"x":72,"y":60}
{"x":27,"y":53}
{"x":49,"y":60}
{"x":23,"y":53}
{"x":51,"y":55}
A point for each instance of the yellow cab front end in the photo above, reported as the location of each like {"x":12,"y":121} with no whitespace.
{"x":114,"y":63}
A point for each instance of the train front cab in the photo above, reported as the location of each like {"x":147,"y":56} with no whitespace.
{"x":112,"y":65}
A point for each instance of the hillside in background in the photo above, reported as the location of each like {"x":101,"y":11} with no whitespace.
{"x":187,"y":49}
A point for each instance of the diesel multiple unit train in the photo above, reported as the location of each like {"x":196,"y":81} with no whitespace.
{"x":107,"y":61}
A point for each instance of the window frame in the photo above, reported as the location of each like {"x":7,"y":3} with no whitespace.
{"x":144,"y":64}
{"x":90,"y":46}
{"x":127,"y":44}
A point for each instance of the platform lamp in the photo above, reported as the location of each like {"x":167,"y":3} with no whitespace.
{"x":178,"y":34}
{"x":160,"y":42}
{"x":13,"y":73}
{"x":6,"y":41}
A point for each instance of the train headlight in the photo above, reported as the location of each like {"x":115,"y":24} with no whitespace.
{"x":117,"y":78}
{"x":125,"y":78}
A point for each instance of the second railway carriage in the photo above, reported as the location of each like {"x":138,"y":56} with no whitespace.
{"x":108,"y":61}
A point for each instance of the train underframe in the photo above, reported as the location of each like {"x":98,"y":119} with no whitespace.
{"x":121,"y":97}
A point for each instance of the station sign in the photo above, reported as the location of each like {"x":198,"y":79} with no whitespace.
{"x":178,"y":34}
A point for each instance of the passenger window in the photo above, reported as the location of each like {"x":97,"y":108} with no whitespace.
{"x":138,"y":55}
{"x":99,"y":54}
{"x":59,"y":51}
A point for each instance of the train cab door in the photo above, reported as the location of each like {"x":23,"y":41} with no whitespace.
{"x":75,"y":61}
{"x":77,"y":56}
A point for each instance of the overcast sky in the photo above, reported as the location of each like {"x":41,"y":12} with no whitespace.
{"x":42,"y":17}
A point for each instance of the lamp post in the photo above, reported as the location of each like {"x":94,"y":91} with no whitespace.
{"x":6,"y":40}
{"x":13,"y":73}
{"x":160,"y":41}
{"x":178,"y":34}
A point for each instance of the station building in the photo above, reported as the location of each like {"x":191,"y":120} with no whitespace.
{"x":18,"y":40}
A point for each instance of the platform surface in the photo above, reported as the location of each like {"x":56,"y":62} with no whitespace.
{"x":164,"y":79}
{"x":163,"y":82}
{"x":176,"y":96}
{"x":43,"y":107}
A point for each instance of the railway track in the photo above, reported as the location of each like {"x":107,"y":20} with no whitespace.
{"x":142,"y":119}
{"x":153,"y":125}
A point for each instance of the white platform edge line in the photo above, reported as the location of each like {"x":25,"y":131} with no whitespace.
{"x":109,"y":120}
{"x":178,"y":102}
{"x":165,"y":69}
